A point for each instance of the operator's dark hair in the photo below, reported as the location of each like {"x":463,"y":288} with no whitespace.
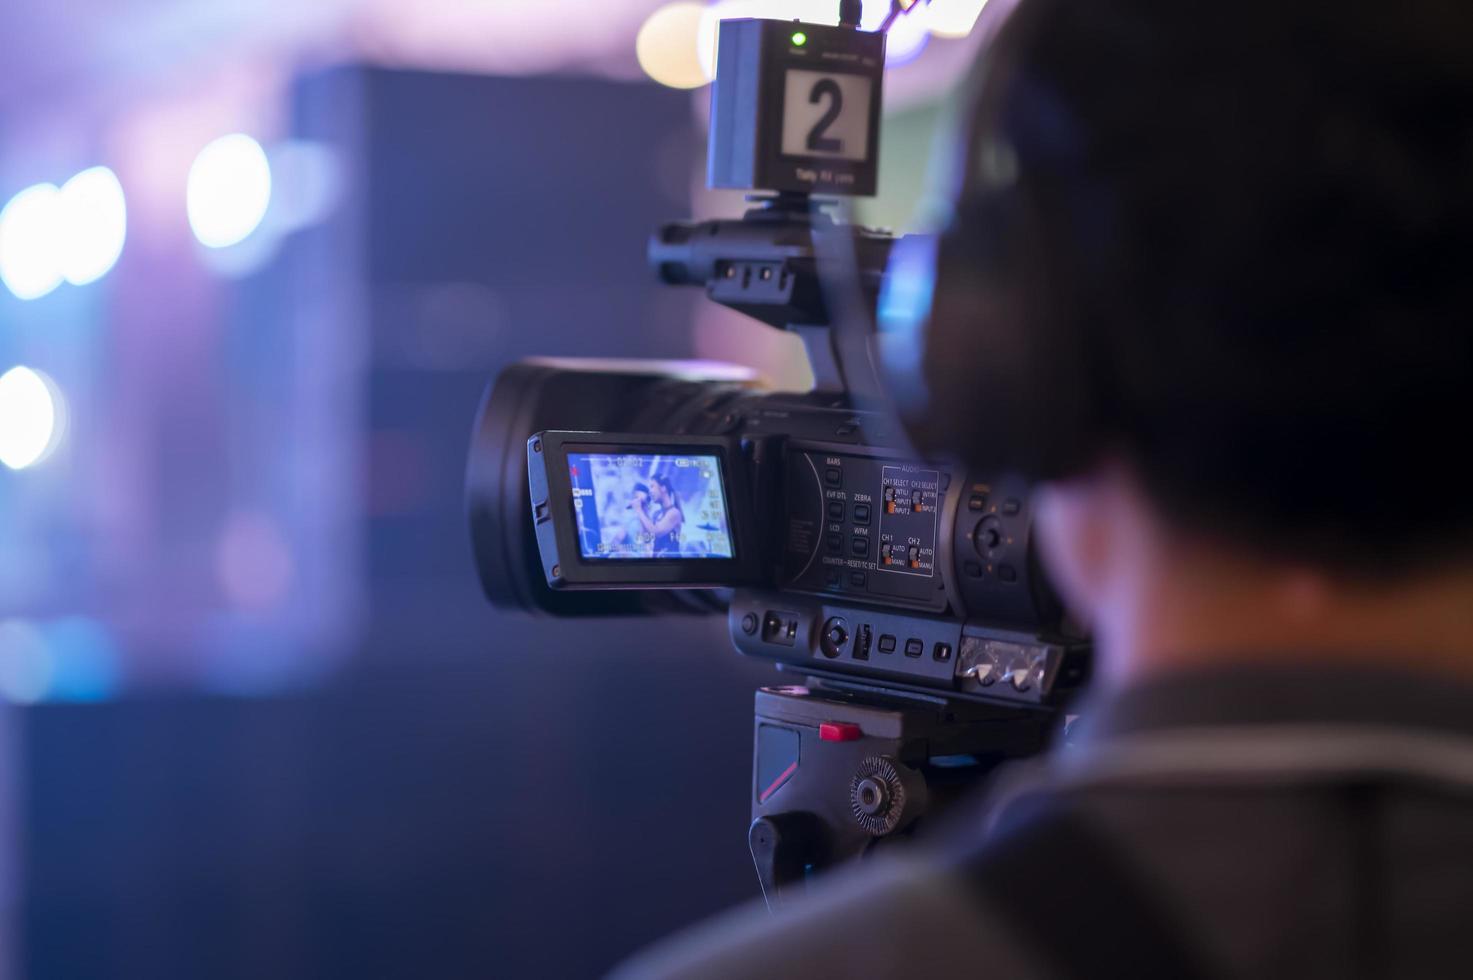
{"x":1232,"y":244}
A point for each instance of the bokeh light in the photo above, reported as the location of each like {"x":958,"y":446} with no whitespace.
{"x":32,"y":239}
{"x":85,"y":663}
{"x":25,"y":662}
{"x":253,"y":562}
{"x":668,"y":45}
{"x":31,"y":415}
{"x":953,"y":18}
{"x":94,"y":225}
{"x":904,"y":307}
{"x":307,"y":184}
{"x":907,"y":38}
{"x":229,"y":191}
{"x":51,"y":235}
{"x":907,"y":35}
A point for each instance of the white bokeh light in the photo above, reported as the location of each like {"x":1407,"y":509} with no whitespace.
{"x":229,"y":191}
{"x":953,"y":18}
{"x":94,"y":225}
{"x":907,"y":35}
{"x":668,"y":45}
{"x":51,"y":235}
{"x":31,"y":417}
{"x":907,"y":38}
{"x":32,"y":241}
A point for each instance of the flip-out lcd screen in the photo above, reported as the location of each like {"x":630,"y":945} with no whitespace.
{"x":647,"y":506}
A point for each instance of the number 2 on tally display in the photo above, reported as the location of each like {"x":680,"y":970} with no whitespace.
{"x":817,"y":141}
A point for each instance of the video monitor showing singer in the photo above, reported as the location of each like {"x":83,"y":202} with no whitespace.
{"x":648,"y":506}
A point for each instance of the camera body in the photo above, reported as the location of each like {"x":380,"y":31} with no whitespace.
{"x":843,"y":557}
{"x":602,"y":488}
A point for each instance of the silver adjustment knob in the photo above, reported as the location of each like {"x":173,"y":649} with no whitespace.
{"x":981,"y":673}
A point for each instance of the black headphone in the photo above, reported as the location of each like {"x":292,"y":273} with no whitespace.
{"x":980,"y":328}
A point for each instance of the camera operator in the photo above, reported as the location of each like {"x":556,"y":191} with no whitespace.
{"x":1209,"y":278}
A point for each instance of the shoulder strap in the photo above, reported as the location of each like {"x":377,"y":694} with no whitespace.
{"x":1072,"y":901}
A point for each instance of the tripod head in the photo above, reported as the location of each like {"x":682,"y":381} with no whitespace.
{"x":839,"y":771}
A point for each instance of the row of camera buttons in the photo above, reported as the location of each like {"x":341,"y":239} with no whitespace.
{"x":861,"y":512}
{"x":835,"y":637}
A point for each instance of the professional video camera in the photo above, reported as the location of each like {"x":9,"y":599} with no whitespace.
{"x":906,"y":592}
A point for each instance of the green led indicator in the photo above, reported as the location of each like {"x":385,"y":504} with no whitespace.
{"x":799,"y":38}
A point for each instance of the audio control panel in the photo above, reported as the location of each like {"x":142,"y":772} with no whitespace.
{"x":864,"y":527}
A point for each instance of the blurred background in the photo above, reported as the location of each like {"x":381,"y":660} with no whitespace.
{"x":258,"y":263}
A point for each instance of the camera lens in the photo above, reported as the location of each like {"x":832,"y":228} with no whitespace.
{"x":581,"y":395}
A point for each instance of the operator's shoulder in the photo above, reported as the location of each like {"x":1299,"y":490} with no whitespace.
{"x":907,"y":918}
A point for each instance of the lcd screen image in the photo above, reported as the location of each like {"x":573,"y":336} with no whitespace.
{"x":646,"y":506}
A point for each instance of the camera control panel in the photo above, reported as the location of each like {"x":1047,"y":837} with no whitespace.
{"x":864,"y":527}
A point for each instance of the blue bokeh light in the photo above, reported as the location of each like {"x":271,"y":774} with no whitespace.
{"x":85,"y":661}
{"x":904,"y":308}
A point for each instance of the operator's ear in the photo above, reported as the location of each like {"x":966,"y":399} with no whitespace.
{"x":1084,"y":525}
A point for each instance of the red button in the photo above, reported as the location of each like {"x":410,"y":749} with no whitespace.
{"x":839,"y":731}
